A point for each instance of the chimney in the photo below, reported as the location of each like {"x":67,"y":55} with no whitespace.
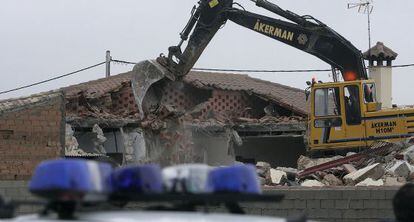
{"x":380,"y":60}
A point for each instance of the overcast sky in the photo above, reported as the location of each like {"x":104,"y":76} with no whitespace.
{"x":40,"y":39}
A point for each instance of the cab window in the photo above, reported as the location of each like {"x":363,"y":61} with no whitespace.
{"x":327,"y":102}
{"x":352,"y":105}
{"x":369,"y":93}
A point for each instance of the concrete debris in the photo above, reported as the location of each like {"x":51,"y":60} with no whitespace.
{"x":263,"y":165}
{"x":306,"y":162}
{"x":290,"y":172}
{"x":389,"y":164}
{"x":71,"y":143}
{"x":349,"y":168}
{"x":278,"y":177}
{"x":312,"y":183}
{"x":393,"y":182}
{"x":389,"y":158}
{"x":374,"y":171}
{"x":236,"y":138}
{"x":370,"y":182}
{"x":400,"y":169}
{"x":350,"y":153}
{"x":332,"y":180}
{"x":99,"y":140}
{"x":409,"y":154}
{"x":262,"y":181}
{"x":263,"y":170}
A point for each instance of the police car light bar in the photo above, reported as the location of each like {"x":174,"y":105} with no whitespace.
{"x":235,"y":179}
{"x":137,"y":179}
{"x":187,"y":178}
{"x":68,"y":182}
{"x":71,"y":180}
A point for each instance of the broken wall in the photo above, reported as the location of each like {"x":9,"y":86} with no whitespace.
{"x":110,"y":103}
{"x":124,"y":145}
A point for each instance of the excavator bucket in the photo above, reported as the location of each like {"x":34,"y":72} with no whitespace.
{"x":146,"y":75}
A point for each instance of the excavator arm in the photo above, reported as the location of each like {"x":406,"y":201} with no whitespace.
{"x":303,"y":32}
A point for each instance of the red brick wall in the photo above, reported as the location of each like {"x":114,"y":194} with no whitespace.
{"x":225,"y":103}
{"x":183,"y":96}
{"x":123,"y":101}
{"x":229,"y":104}
{"x":28,"y":136}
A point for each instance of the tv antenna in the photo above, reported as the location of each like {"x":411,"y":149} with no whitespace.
{"x":364,"y":7}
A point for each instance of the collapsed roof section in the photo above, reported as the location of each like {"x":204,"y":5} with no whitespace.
{"x":112,"y":98}
{"x":285,"y":96}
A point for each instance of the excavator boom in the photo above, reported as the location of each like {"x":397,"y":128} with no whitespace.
{"x":303,"y":32}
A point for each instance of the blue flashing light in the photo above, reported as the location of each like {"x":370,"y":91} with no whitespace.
{"x":235,"y":179}
{"x":187,"y":178}
{"x":138,"y":179}
{"x":71,"y":180}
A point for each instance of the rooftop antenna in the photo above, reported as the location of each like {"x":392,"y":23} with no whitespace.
{"x":365,"y":7}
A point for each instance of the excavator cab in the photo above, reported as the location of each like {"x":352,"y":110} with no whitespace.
{"x":338,"y":112}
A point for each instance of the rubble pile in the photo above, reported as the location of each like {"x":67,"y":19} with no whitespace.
{"x":383,"y":164}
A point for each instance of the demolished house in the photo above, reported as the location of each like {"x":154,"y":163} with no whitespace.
{"x":211,"y":118}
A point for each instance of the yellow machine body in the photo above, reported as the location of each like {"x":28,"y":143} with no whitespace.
{"x":346,"y":115}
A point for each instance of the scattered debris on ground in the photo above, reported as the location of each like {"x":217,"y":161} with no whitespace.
{"x":383,"y":164}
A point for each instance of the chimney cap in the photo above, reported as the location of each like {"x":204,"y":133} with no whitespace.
{"x":380,"y":52}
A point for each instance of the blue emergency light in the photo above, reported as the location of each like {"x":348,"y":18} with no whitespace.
{"x":85,"y":180}
{"x":71,"y":180}
{"x":234,"y":179}
{"x":138,"y":179}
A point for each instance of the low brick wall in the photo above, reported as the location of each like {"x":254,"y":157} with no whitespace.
{"x":330,"y":203}
{"x":17,"y":190}
{"x":342,"y":204}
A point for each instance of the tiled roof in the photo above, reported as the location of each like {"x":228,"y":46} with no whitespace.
{"x":23,"y":102}
{"x":288,"y":97}
{"x":97,"y":88}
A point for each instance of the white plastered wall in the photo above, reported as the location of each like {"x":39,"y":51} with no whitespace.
{"x":382,"y":76}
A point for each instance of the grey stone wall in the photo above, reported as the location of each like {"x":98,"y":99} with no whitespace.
{"x":342,"y":204}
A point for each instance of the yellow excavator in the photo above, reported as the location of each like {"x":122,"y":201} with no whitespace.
{"x":342,"y":115}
